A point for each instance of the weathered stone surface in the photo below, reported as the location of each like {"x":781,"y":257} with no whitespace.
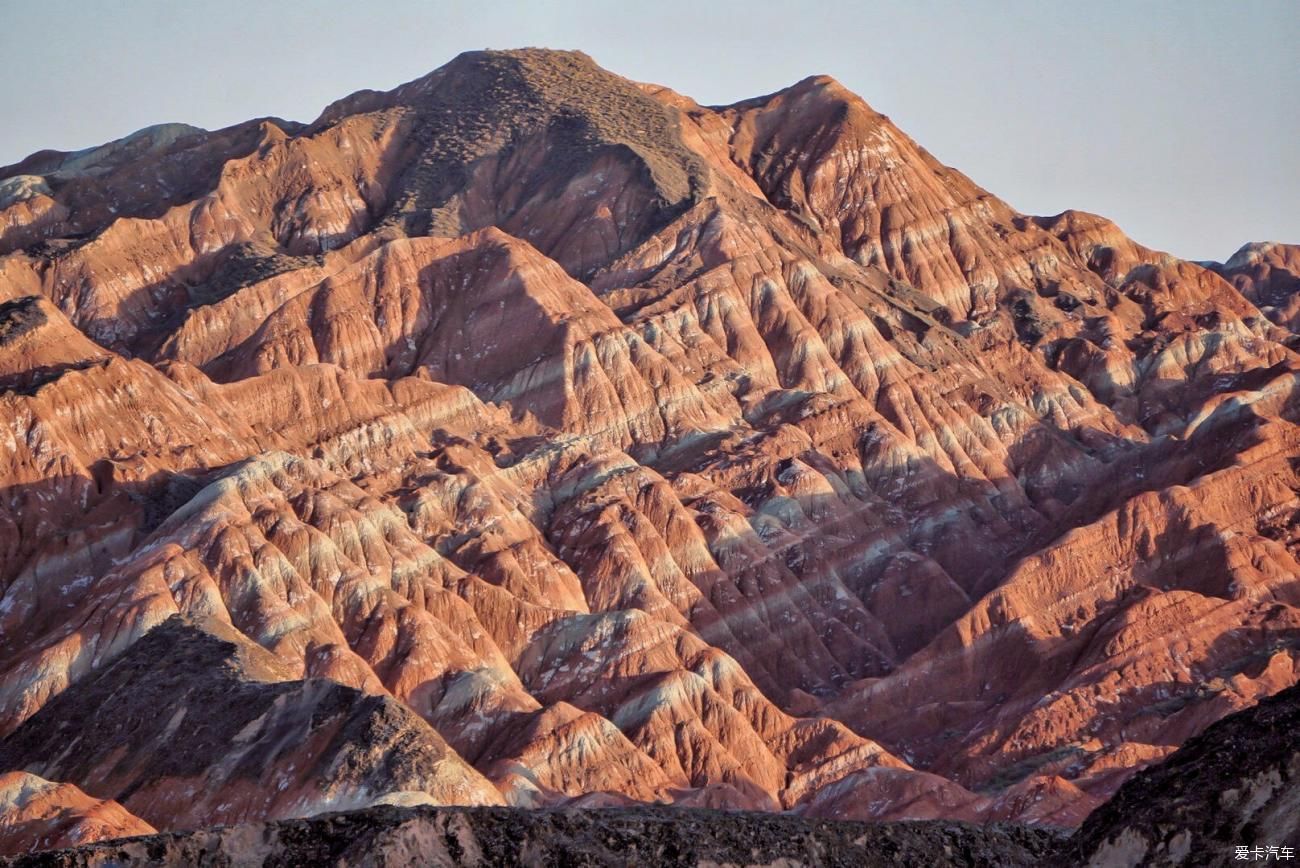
{"x":187,"y":729}
{"x":36,"y":814}
{"x":1268,"y":275}
{"x":635,"y":837}
{"x":640,"y":451}
{"x":1237,"y":784}
{"x":1233,"y":786}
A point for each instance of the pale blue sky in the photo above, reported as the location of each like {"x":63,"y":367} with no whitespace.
{"x":1179,"y":120}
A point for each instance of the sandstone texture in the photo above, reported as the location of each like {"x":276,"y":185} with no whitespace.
{"x":36,"y":814}
{"x":1234,"y":786}
{"x":529,"y":436}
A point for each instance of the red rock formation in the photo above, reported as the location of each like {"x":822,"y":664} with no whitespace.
{"x":622,"y":449}
{"x":1269,"y":276}
{"x":214,"y":733}
{"x":36,"y":814}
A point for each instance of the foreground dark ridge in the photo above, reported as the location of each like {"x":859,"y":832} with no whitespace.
{"x":1236,"y":784}
{"x":620,"y":836}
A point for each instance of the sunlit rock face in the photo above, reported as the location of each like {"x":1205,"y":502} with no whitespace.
{"x":527,"y":435}
{"x":36,"y":814}
{"x":1232,"y":787}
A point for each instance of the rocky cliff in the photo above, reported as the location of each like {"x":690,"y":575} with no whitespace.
{"x":527,"y":434}
{"x":1235,"y":786}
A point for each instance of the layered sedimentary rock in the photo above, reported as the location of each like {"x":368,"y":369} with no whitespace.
{"x":618,"y":449}
{"x":186,"y":728}
{"x":1228,"y":791}
{"x":36,"y":814}
{"x":1234,"y":786}
{"x":1268,"y":275}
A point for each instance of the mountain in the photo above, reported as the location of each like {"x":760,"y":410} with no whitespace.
{"x":38,"y":815}
{"x":529,"y":435}
{"x":1232,"y":787}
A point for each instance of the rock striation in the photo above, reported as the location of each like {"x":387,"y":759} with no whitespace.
{"x":36,"y":814}
{"x":186,"y":729}
{"x":527,"y":435}
{"x":1235,"y":785}
{"x":1232,"y":787}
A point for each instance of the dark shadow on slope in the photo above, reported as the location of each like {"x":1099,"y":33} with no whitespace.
{"x":212,"y":710}
{"x":182,"y":170}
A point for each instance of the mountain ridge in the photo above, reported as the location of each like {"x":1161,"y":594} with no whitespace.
{"x":738,"y":456}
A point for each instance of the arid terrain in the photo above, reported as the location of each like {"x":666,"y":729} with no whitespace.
{"x":526,"y":436}
{"x":1235,"y":786}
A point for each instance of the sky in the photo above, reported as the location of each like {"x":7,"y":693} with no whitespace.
{"x":1178,"y":120}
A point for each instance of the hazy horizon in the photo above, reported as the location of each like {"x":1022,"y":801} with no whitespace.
{"x":1169,"y":118}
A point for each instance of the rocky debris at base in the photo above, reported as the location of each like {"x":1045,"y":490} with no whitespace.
{"x":499,"y":837}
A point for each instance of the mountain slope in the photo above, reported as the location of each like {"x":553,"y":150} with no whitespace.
{"x":1232,"y":786}
{"x":1230,"y":789}
{"x":742,"y":456}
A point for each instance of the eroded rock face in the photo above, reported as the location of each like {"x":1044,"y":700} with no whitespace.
{"x":1233,"y":786}
{"x":629,"y":450}
{"x":186,"y":729}
{"x":36,"y":814}
{"x":1237,"y":784}
{"x":1269,"y":275}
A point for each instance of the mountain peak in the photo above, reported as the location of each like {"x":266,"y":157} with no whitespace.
{"x":594,"y":446}
{"x":555,"y":114}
